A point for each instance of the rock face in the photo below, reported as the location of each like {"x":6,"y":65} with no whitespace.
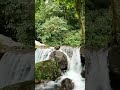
{"x":1,"y":54}
{"x":7,"y":43}
{"x":60,"y":58}
{"x":27,"y":85}
{"x":114,"y":66}
{"x":114,"y":60}
{"x":83,"y":72}
{"x":82,"y":56}
{"x":67,"y":84}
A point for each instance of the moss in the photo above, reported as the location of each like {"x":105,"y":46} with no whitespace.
{"x":47,"y":70}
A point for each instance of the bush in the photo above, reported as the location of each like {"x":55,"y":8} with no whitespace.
{"x":98,"y":28}
{"x":54,"y":31}
{"x":72,"y":38}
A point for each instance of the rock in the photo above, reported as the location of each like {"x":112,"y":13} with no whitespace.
{"x":47,"y":70}
{"x":1,"y":54}
{"x":27,"y":85}
{"x":39,"y":45}
{"x":114,"y":60}
{"x":7,"y":43}
{"x":61,"y":58}
{"x":67,"y":84}
{"x":57,"y":47}
{"x":82,"y":60}
{"x":83,"y":72}
{"x":114,"y":67}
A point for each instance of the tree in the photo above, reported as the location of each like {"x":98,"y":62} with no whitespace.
{"x":79,"y":5}
{"x":19,"y":19}
{"x":116,"y":22}
{"x":54,"y":31}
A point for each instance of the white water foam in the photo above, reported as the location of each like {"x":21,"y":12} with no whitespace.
{"x":74,"y":66}
{"x":74,"y":70}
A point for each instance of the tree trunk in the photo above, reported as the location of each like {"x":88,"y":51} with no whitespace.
{"x":116,"y":22}
{"x":80,"y":11}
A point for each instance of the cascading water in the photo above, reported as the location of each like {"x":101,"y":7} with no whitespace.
{"x":97,"y":70}
{"x":16,"y":67}
{"x":42,"y":54}
{"x":74,"y":69}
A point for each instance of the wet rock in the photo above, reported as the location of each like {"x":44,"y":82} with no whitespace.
{"x":67,"y":84}
{"x":83,"y":72}
{"x":7,"y":43}
{"x":1,"y":54}
{"x":82,"y":60}
{"x":47,"y":70}
{"x":114,"y":60}
{"x":27,"y":85}
{"x":39,"y":45}
{"x":60,"y":58}
{"x":57,"y":47}
{"x":114,"y":67}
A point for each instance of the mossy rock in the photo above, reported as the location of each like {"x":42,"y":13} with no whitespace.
{"x":47,"y":70}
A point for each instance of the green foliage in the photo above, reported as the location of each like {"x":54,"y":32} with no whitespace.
{"x":54,"y":22}
{"x":54,"y":31}
{"x":98,"y":28}
{"x":47,"y":70}
{"x":19,"y":18}
{"x":72,"y":38}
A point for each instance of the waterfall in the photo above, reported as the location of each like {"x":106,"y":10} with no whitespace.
{"x":43,"y":54}
{"x":97,"y":70}
{"x":16,"y":67}
{"x":74,"y":68}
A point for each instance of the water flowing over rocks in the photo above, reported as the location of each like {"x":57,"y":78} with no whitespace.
{"x":97,"y":72}
{"x":42,"y":54}
{"x":73,"y":72}
{"x":16,"y":67}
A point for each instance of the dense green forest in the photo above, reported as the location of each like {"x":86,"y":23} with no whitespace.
{"x":61,"y":22}
{"x":17,"y":20}
{"x":57,"y":23}
{"x":68,"y":23}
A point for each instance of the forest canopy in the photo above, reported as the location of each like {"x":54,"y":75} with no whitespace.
{"x":56,"y":24}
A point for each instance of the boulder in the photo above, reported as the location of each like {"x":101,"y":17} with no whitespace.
{"x":39,"y":45}
{"x":6,"y":43}
{"x":67,"y":84}
{"x":61,"y":58}
{"x":47,"y":70}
